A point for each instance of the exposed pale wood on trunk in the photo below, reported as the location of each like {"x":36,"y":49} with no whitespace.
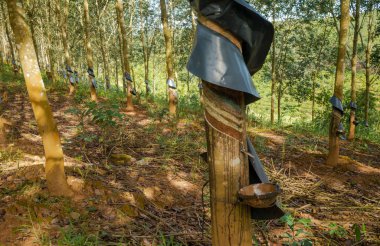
{"x":228,"y":166}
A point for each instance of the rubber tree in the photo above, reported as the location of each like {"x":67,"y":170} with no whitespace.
{"x":54,"y":167}
{"x":273,"y":87}
{"x":62,"y":20}
{"x":31,"y":12}
{"x":371,"y":33}
{"x":225,"y":57}
{"x":336,"y":116}
{"x":89,"y":51}
{"x":146,"y":42}
{"x":223,"y":107}
{"x":354,"y":61}
{"x":50,"y":42}
{"x":9,"y":39}
{"x":103,"y":45}
{"x":169,"y":59}
{"x":124,"y":40}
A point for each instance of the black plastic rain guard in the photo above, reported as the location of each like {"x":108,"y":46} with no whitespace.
{"x":353,"y":106}
{"x":127,"y":77}
{"x":68,"y":69}
{"x":337,"y":104}
{"x":218,"y":61}
{"x":245,"y":23}
{"x":171,"y":84}
{"x":90,"y":72}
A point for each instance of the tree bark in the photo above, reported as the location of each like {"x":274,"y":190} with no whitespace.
{"x":127,"y":69}
{"x":228,"y":166}
{"x":8,"y":34}
{"x":333,"y":155}
{"x":54,"y":167}
{"x":146,"y":49}
{"x":273,"y":88}
{"x":226,"y":134}
{"x":116,"y":73}
{"x":279,"y":97}
{"x":368,"y":61}
{"x":50,"y":45}
{"x":169,"y":57}
{"x":354,"y":62}
{"x":62,"y":19}
{"x":89,"y":52}
{"x":103,"y":49}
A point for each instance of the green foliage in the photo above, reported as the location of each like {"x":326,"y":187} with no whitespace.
{"x":360,"y":232}
{"x":297,"y":231}
{"x":105,"y":115}
{"x":337,"y":231}
{"x":70,"y":237}
{"x":168,"y":241}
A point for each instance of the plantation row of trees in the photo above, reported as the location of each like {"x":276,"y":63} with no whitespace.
{"x":299,"y":66}
{"x":142,"y":47}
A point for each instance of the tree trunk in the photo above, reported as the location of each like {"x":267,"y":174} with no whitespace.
{"x":225,"y":131}
{"x":127,"y":69}
{"x":273,"y":68}
{"x":368,"y":62}
{"x":122,"y":62}
{"x":279,"y":95}
{"x":103,"y":49}
{"x":116,"y":73}
{"x":169,"y":57}
{"x":7,"y":32}
{"x":354,"y":61}
{"x":32,"y":24}
{"x":145,"y":48}
{"x":333,"y":155}
{"x":50,"y":45}
{"x":54,"y":167}
{"x":104,"y":56}
{"x":89,"y":52}
{"x":64,"y":36}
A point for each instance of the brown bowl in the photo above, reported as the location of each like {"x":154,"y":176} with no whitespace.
{"x":262,"y":195}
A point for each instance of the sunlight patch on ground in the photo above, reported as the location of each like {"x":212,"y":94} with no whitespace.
{"x":272,"y":136}
{"x":180,"y":183}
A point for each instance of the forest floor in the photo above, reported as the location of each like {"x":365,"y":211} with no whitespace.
{"x":141,"y":182}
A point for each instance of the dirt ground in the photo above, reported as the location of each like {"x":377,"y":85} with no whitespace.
{"x":142,"y":182}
